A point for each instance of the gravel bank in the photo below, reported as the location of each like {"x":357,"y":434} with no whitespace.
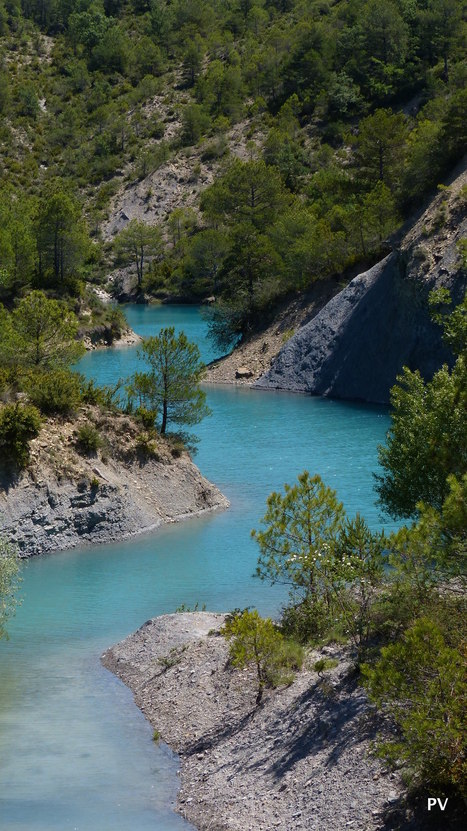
{"x":300,"y":761}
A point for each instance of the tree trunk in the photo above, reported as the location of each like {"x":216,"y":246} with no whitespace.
{"x":164,"y":417}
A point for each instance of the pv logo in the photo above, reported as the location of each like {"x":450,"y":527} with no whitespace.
{"x":440,"y":802}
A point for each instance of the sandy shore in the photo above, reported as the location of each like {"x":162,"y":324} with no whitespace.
{"x":300,"y":761}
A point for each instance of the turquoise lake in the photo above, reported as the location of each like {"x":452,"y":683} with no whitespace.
{"x":75,"y":753}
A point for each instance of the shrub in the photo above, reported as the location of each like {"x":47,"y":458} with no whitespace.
{"x":420,"y":682}
{"x":18,"y":425}
{"x":146,"y":417}
{"x":323,"y":664}
{"x":88,"y":439}
{"x":117,"y":324}
{"x":285,"y":663}
{"x":105,"y":396}
{"x":55,"y":392}
{"x":257,"y":641}
{"x":307,"y":621}
{"x":145,"y":444}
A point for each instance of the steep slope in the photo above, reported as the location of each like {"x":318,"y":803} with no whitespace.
{"x":64,"y":498}
{"x":358,"y":343}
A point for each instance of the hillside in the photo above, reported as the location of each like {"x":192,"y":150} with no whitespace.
{"x":379,"y":322}
{"x":357,"y":344}
{"x":298,"y":762}
{"x":69,"y":496}
{"x":236,"y":150}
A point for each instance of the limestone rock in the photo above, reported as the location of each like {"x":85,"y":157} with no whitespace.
{"x":243,"y":372}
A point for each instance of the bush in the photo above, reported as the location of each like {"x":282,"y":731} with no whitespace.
{"x":420,"y":682}
{"x":146,"y":445}
{"x":307,"y":621}
{"x":117,"y":324}
{"x":257,"y":641}
{"x":19,"y":424}
{"x":88,"y":439}
{"x":55,"y":392}
{"x":146,"y":417}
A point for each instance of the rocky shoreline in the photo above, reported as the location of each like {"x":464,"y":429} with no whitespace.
{"x":127,"y":338}
{"x":66,"y":498}
{"x":300,"y":761}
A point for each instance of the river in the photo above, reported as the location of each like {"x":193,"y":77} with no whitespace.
{"x":75,"y":753}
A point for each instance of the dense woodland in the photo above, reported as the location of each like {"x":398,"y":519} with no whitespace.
{"x":351,"y":113}
{"x":354,"y":112}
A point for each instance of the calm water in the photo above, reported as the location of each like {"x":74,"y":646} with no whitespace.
{"x":74,"y":751}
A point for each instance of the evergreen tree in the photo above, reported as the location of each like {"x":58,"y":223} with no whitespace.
{"x":136,"y":243}
{"x":427,"y":438}
{"x":171,"y":386}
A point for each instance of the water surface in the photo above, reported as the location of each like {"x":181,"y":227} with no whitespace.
{"x":75,"y":753}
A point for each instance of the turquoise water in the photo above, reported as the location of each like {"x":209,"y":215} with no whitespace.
{"x":74,"y":751}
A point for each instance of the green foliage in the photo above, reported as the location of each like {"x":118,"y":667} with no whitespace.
{"x":105,"y":396}
{"x":257,"y":641}
{"x":146,"y":444}
{"x":62,"y":239}
{"x":323,"y":664}
{"x":380,"y":147}
{"x":88,"y":439}
{"x":357,"y":575}
{"x":19,"y":424}
{"x":333,"y":566}
{"x":41,"y":334}
{"x":427,"y":438}
{"x":420,"y":682}
{"x":171,"y":386}
{"x":56,"y":392}
{"x":195,"y":123}
{"x":302,"y":526}
{"x":319,"y":90}
{"x":249,"y":192}
{"x":196,"y":608}
{"x":9,"y":583}
{"x":136,"y":243}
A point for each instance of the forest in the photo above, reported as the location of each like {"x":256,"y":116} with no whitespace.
{"x":350,"y":112}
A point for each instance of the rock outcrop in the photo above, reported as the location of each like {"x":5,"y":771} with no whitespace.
{"x":64,"y":499}
{"x":358,"y":343}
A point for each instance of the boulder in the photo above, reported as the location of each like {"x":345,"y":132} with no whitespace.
{"x":243,"y":372}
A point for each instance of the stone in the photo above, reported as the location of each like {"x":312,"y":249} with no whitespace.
{"x":243,"y":372}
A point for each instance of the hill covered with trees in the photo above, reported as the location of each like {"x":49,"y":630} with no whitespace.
{"x":273,"y":142}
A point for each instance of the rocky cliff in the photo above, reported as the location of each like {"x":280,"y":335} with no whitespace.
{"x":358,"y":343}
{"x":66,"y":498}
